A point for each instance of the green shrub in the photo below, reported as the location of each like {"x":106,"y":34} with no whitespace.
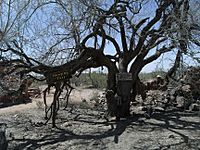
{"x":96,"y":80}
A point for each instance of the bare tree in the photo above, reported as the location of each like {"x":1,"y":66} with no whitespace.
{"x":84,"y":31}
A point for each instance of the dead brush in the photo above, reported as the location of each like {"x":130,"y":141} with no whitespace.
{"x":39,"y":104}
{"x":98,"y":100}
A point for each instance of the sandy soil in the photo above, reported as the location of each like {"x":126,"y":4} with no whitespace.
{"x":84,"y":128}
{"x":77,"y":96}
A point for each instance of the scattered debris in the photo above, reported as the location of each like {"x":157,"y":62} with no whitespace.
{"x":184,"y":94}
{"x":187,"y":91}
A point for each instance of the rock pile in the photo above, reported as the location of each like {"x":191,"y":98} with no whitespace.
{"x":183,"y":94}
{"x":186,"y":94}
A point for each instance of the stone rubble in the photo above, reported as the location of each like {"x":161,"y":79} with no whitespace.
{"x":183,"y":95}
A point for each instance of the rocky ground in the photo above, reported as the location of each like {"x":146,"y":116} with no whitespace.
{"x":83,"y":127}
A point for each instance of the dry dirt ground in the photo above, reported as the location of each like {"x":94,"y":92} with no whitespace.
{"x":83,"y":127}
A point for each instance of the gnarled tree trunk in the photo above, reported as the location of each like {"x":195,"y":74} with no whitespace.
{"x":119,"y":92}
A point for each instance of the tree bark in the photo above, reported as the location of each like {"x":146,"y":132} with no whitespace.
{"x":119,"y":97}
{"x":123,"y":98}
{"x":54,"y":108}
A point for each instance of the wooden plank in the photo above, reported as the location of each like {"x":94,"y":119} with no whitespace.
{"x":124,"y":77}
{"x":58,"y":76}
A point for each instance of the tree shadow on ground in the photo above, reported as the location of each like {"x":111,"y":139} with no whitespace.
{"x":117,"y":128}
{"x":174,"y":121}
